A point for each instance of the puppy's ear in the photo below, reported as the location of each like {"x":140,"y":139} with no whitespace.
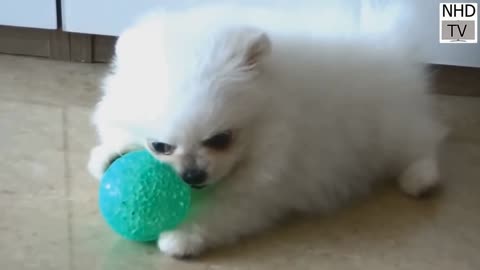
{"x":249,"y":46}
{"x":259,"y":46}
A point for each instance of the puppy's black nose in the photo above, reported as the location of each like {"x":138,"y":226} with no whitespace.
{"x":194,"y":176}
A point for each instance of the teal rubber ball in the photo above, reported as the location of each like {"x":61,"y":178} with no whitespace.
{"x":140,"y":197}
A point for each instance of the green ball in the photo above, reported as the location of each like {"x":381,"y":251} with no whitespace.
{"x":140,"y":197}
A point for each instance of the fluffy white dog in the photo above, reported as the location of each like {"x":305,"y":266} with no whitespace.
{"x":268,"y":112}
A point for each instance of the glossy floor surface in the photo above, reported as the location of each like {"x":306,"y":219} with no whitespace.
{"x":49,"y":217}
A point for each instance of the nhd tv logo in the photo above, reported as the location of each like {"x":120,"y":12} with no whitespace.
{"x":458,"y":22}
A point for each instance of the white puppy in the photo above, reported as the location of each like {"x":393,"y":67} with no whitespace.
{"x":269,"y":113}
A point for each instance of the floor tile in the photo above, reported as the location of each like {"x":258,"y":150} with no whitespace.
{"x":34,"y":233}
{"x":32,"y":147}
{"x":49,"y":82}
{"x":81,"y":138}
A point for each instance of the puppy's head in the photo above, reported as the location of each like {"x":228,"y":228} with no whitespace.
{"x":215,"y":102}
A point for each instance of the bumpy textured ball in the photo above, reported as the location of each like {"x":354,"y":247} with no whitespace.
{"x":141,"y":197}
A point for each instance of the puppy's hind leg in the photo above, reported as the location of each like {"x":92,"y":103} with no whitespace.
{"x":420,"y":177}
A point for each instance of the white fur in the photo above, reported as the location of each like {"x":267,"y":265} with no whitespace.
{"x":319,"y":115}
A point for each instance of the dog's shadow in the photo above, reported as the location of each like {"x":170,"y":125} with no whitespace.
{"x":385,"y":219}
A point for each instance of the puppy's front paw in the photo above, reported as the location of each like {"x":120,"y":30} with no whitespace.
{"x":181,"y":244}
{"x":100,"y":158}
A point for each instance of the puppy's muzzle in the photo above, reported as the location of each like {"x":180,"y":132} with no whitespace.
{"x":194,"y":177}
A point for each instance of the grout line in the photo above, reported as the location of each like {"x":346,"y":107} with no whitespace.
{"x":31,"y":102}
{"x":45,"y":104}
{"x":65,"y":152}
{"x":67,"y":178}
{"x":35,"y":102}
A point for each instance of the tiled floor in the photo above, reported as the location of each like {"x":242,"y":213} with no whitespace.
{"x":49,"y":217}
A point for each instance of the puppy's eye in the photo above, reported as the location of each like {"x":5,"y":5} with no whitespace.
{"x":162,"y":148}
{"x":219,"y":141}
